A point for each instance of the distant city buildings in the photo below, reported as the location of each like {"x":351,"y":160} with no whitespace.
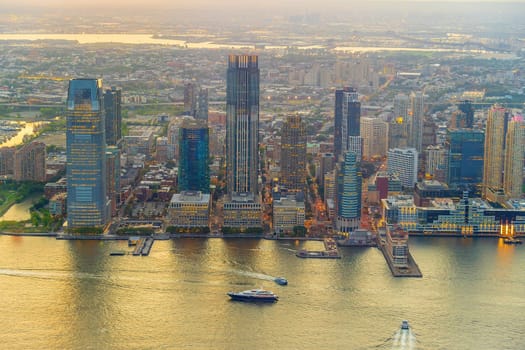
{"x":87,"y":202}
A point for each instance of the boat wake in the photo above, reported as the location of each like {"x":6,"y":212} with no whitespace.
{"x":404,"y":339}
{"x":260,"y":276}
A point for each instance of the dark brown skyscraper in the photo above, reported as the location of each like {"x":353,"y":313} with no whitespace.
{"x":293,"y":154}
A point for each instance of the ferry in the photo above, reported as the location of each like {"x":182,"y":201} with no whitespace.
{"x":254,"y":295}
{"x":404,"y":325}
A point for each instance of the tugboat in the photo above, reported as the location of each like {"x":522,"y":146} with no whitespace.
{"x":404,"y":325}
{"x":254,"y":295}
{"x":281,"y":281}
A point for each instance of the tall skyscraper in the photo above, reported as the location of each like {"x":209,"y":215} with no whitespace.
{"x":417,"y":108}
{"x":465,"y":157}
{"x":348,"y":195}
{"x":293,"y":154}
{"x":514,"y":158}
{"x":242,"y":123}
{"x":494,"y":155}
{"x":347,"y":114}
{"x":194,"y":170}
{"x":87,"y":203}
{"x":404,"y":164}
{"x":112,"y":107}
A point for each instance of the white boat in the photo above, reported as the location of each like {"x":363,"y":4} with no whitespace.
{"x":254,"y":295}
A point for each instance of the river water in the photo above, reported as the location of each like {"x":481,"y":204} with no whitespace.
{"x":73,"y":295}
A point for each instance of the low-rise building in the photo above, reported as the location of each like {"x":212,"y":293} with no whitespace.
{"x":287,"y":213}
{"x":189,"y":209}
{"x":242,"y":211}
{"x":397,"y":245}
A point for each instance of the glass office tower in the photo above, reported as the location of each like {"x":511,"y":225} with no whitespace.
{"x":87,"y":203}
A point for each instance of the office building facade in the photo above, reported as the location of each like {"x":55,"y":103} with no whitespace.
{"x":194,"y":170}
{"x":465,"y":148}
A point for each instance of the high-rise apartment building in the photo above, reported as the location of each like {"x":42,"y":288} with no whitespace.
{"x":113,"y":177}
{"x":417,"y":109}
{"x":293,"y":154}
{"x":398,"y":130}
{"x":348,"y":195}
{"x":202,"y":104}
{"x":347,"y":115}
{"x":7,"y":160}
{"x":494,"y":155}
{"x":87,"y":203}
{"x":113,"y":109}
{"x":374,"y":132}
{"x":190,"y":99}
{"x":436,"y":162}
{"x":194,"y":170}
{"x":242,"y":123}
{"x":30,"y":162}
{"x":401,"y":104}
{"x":465,"y":149}
{"x":514,"y":158}
{"x":403,"y":162}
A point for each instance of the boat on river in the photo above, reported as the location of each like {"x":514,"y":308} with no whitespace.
{"x":405,"y":325}
{"x":254,"y":295}
{"x":281,"y":281}
{"x":512,"y":241}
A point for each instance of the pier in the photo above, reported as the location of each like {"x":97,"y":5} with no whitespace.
{"x":411,"y":270}
{"x":143,"y":246}
{"x":330,"y":252}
